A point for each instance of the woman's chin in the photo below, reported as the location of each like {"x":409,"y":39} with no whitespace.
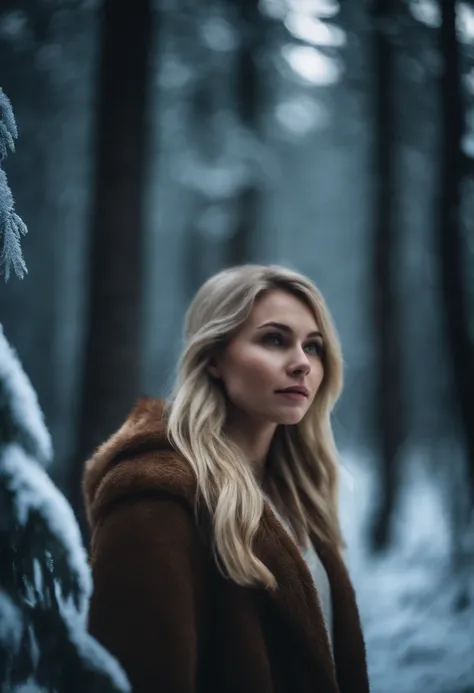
{"x":290,"y":418}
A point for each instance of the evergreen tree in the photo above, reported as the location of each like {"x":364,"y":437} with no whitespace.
{"x":45,"y":581}
{"x":11,"y":226}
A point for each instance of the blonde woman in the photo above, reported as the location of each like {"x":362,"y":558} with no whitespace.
{"x":216,"y":546}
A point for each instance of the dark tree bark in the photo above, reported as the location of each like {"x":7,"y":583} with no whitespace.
{"x":449,"y":233}
{"x":113,"y":342}
{"x":249,"y":101}
{"x":389,"y":425}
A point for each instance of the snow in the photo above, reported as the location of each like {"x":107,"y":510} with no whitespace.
{"x":31,"y":490}
{"x":11,"y":625}
{"x":8,"y":129}
{"x":419,"y":634}
{"x":14,"y":26}
{"x":20,"y":412}
{"x":34,"y":509}
{"x":34,"y":491}
{"x":29,"y":687}
{"x":95,"y":657}
{"x":11,"y":226}
{"x":429,"y":12}
{"x":312,"y":65}
{"x":300,"y":115}
{"x":218,"y":34}
{"x":314,"y":31}
{"x":426,"y":11}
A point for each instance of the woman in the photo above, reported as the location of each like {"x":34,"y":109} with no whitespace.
{"x":216,"y":546}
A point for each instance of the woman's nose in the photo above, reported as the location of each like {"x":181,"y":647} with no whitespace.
{"x":301,"y":364}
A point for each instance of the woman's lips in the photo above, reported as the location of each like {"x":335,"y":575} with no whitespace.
{"x":293,"y":396}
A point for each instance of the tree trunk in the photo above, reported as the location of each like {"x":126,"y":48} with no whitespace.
{"x":249,"y":99}
{"x":113,"y":331}
{"x":388,"y":372}
{"x":449,"y":234}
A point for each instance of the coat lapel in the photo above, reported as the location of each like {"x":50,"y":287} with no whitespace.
{"x":349,"y":647}
{"x":297,"y":600}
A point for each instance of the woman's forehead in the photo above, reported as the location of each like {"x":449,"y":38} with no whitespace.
{"x":283,"y":307}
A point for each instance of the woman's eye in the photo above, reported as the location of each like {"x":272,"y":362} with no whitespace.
{"x":273,"y":338}
{"x":276,"y":339}
{"x":315,"y":348}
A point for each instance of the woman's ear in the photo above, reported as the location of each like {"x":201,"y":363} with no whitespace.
{"x":213,"y":368}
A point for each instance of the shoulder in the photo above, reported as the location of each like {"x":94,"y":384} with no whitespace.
{"x":142,"y":527}
{"x":149,"y":544}
{"x":137,"y":466}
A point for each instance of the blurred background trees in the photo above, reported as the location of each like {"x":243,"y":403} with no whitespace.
{"x":388,"y":359}
{"x":113,"y":326}
{"x":161,"y":144}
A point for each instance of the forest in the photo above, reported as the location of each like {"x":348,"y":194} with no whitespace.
{"x":143,"y":147}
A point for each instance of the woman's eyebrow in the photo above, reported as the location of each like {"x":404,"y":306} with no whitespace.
{"x":286,"y":328}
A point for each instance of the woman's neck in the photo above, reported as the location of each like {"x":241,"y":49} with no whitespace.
{"x":254,"y":439}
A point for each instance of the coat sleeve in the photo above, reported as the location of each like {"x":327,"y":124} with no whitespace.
{"x":147,"y":604}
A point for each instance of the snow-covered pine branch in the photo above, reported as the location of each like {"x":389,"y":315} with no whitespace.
{"x":21,"y":419}
{"x":45,"y":581}
{"x":11,"y":226}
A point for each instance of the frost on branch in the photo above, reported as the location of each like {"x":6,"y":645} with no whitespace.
{"x":11,"y":226}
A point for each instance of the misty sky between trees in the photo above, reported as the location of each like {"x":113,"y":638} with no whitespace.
{"x":310,"y":159}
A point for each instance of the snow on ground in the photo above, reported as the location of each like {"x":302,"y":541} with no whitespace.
{"x":417,"y":641}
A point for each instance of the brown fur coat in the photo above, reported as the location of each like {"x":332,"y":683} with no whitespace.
{"x":172,"y":620}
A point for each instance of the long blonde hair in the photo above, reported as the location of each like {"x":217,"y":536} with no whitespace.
{"x":302,"y":469}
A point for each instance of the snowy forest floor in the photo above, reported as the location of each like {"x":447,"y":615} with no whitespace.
{"x":419,"y":631}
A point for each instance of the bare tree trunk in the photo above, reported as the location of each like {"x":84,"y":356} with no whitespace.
{"x":249,"y":98}
{"x":113,"y":334}
{"x":388,"y":373}
{"x":449,"y":234}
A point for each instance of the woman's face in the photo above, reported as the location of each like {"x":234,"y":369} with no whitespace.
{"x":279,"y":347}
